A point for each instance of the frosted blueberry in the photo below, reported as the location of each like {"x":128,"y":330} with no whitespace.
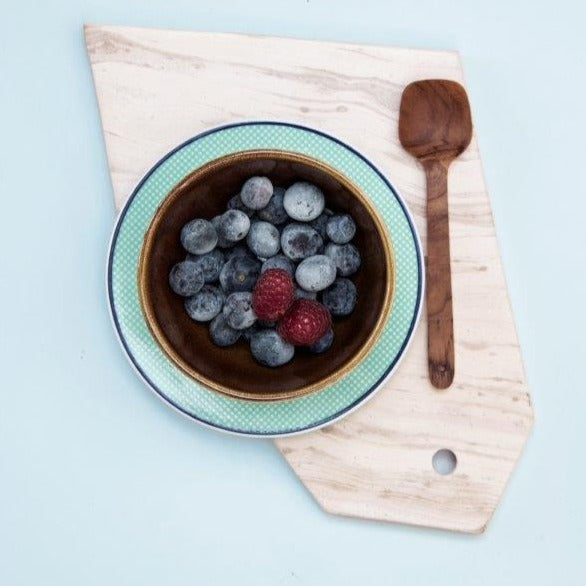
{"x":341,"y":229}
{"x":238,"y":250}
{"x":263,"y":239}
{"x":323,"y":343}
{"x":299,"y":241}
{"x":235,"y":203}
{"x":340,"y":298}
{"x":256,"y":192}
{"x":345,"y":256}
{"x":316,"y":273}
{"x":319,"y":224}
{"x":250,"y":331}
{"x":238,"y":310}
{"x":279,"y":261}
{"x":222,"y":334}
{"x":304,"y":201}
{"x":303,"y":294}
{"x":270,"y":349}
{"x":239,"y":274}
{"x":186,"y":278}
{"x":198,"y":236}
{"x":205,"y":304}
{"x":222,"y":242}
{"x":210,"y":263}
{"x":233,"y":225}
{"x":274,"y":212}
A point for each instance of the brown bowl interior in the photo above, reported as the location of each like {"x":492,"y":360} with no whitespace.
{"x":232,"y":370}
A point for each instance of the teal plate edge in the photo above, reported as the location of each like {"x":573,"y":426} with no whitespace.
{"x":237,"y":416}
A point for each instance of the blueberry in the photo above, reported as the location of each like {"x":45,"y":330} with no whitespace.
{"x":211,"y":264}
{"x":199,"y":236}
{"x":222,"y":242}
{"x":238,"y":310}
{"x":186,"y":278}
{"x":340,"y":298}
{"x":238,"y":250}
{"x":280,"y":261}
{"x":239,"y":274}
{"x":256,"y":192}
{"x":299,"y":241}
{"x":222,"y":334}
{"x":341,"y":229}
{"x":270,"y":349}
{"x":323,"y":343}
{"x":319,"y":224}
{"x":304,"y":201}
{"x":263,"y":239}
{"x":274,"y":212}
{"x":235,"y":203}
{"x":266,"y":323}
{"x":303,"y":294}
{"x":205,"y":304}
{"x":250,"y":331}
{"x":316,"y":273}
{"x":233,"y":226}
{"x":345,"y":256}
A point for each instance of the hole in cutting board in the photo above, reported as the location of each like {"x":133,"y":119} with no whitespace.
{"x":444,"y":462}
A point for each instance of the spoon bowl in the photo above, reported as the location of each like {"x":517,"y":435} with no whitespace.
{"x":435,"y":121}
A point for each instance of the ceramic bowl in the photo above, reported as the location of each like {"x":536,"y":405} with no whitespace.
{"x":233,"y":371}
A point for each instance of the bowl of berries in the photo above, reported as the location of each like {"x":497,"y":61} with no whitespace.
{"x":264,"y":278}
{"x":266,"y":275}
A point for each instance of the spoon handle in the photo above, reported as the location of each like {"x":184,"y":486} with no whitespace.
{"x":440,"y":326}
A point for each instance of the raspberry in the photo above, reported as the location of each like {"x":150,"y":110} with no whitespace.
{"x":272,"y":294}
{"x":305,"y":322}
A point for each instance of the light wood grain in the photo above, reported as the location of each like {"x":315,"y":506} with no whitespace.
{"x":157,"y":88}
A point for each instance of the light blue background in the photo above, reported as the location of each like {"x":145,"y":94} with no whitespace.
{"x":100,"y":483}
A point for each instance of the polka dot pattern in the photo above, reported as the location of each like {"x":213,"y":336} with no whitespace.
{"x":191,"y":397}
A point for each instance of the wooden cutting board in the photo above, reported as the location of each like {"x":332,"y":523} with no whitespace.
{"x":156,"y":88}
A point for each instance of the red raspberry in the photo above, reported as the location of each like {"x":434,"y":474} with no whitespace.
{"x":272,"y":294}
{"x":305,"y":322}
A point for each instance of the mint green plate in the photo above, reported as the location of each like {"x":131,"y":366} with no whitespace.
{"x":236,"y":415}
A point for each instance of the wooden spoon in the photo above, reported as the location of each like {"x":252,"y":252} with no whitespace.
{"x":435,"y":126}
